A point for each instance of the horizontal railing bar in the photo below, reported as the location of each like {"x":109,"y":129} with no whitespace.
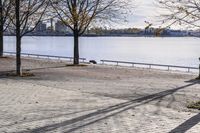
{"x":148,"y":64}
{"x":49,"y":56}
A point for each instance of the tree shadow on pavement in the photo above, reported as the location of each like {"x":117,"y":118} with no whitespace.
{"x":91,"y":118}
{"x":197,"y":81}
{"x":184,"y":127}
{"x":188,"y":124}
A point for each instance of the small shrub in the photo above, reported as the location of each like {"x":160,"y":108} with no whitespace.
{"x":195,"y":105}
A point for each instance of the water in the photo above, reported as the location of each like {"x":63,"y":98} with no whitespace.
{"x":183,"y":51}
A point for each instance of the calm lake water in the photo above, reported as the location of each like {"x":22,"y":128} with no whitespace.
{"x":183,"y":51}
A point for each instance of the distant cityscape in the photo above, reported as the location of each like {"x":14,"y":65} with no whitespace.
{"x":59,"y":29}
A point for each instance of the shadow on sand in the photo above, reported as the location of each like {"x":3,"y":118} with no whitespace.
{"x":188,"y":124}
{"x":184,"y":127}
{"x":96,"y":116}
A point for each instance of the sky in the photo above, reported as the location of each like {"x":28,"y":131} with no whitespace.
{"x":145,"y":10}
{"x":148,"y":11}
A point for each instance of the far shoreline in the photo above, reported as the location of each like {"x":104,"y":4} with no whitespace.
{"x":105,"y":36}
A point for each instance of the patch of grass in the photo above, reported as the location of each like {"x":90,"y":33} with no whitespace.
{"x":24,"y":74}
{"x":3,"y":57}
{"x":194,"y":105}
{"x":80,"y":65}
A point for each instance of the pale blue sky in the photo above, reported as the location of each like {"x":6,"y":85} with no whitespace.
{"x":148,"y":10}
{"x":145,"y":10}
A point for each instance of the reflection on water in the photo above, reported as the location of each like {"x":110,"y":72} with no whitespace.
{"x":183,"y":51}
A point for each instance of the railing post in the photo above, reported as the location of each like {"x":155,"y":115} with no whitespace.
{"x":199,"y":69}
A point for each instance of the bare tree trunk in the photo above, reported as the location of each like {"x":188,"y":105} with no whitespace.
{"x":18,"y":55}
{"x":1,"y":29}
{"x":18,"y":39}
{"x":76,"y":47}
{"x":1,"y":41}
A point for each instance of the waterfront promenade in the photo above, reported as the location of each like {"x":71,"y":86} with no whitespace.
{"x":96,"y":99}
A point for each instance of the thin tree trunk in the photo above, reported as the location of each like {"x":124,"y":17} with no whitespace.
{"x":76,"y":48}
{"x":1,"y":43}
{"x":18,"y":55}
{"x":1,"y":29}
{"x":18,"y":39}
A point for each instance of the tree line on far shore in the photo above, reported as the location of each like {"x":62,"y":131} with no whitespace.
{"x":22,"y":17}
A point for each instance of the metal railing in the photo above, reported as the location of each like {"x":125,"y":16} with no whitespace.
{"x":150,"y":65}
{"x":46,"y":56}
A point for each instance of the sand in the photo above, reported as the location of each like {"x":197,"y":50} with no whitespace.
{"x":96,"y":99}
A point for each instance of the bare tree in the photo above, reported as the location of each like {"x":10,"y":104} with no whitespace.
{"x":5,"y":7}
{"x":24,"y":19}
{"x":182,"y":12}
{"x":78,"y":15}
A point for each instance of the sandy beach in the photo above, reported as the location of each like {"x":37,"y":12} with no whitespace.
{"x":96,"y":99}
